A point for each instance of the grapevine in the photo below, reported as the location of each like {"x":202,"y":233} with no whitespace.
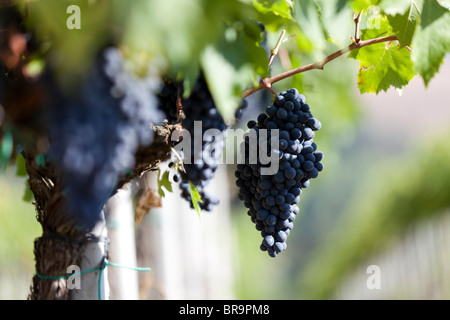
{"x":90,"y":106}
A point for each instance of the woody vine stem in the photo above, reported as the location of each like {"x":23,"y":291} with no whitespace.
{"x":357,"y":43}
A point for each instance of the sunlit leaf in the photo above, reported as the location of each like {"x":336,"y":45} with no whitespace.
{"x":164,"y":181}
{"x":232,"y":65}
{"x":282,"y":8}
{"x":394,"y":7}
{"x":71,"y":50}
{"x":404,"y":25}
{"x":382,"y":65}
{"x":432,"y":40}
{"x":196,"y":198}
{"x":21,"y":170}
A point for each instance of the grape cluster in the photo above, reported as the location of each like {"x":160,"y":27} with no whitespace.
{"x":167,"y":96}
{"x":272,"y":199}
{"x":94,"y":136}
{"x":138,"y":101}
{"x":201,"y":166}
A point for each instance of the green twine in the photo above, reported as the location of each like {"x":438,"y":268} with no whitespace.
{"x":40,"y":160}
{"x":6,"y":149}
{"x":101,"y":268}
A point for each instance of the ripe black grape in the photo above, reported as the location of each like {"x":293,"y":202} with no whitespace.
{"x":272,"y":200}
{"x":167,"y":97}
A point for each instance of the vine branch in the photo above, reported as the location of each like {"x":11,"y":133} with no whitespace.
{"x":267,"y":82}
{"x":274,"y":51}
{"x":357,"y":21}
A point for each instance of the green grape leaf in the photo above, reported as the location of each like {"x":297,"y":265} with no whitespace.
{"x":28,"y":195}
{"x":178,"y":42}
{"x":221,"y":77}
{"x":274,"y":13}
{"x":282,"y":8}
{"x":21,"y":170}
{"x":335,"y":21}
{"x":432,"y":40}
{"x":323,"y":21}
{"x":404,"y":25}
{"x":195,"y":197}
{"x":394,"y":7}
{"x":382,"y":65}
{"x":164,"y":181}
{"x":77,"y":46}
{"x":309,"y":22}
{"x":232,"y":65}
{"x":359,"y":5}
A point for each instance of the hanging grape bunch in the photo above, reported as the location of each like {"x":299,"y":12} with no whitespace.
{"x":272,"y":199}
{"x":167,"y":98}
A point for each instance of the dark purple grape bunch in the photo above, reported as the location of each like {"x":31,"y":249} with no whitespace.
{"x":167,"y":97}
{"x":272,"y":200}
{"x":201,"y":115}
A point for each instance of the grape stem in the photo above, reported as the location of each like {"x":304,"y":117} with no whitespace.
{"x":357,"y":20}
{"x":274,"y":51}
{"x":268,"y":86}
{"x":267,"y":82}
{"x":179,"y":158}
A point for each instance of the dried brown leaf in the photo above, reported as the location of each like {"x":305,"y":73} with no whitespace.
{"x":148,"y":200}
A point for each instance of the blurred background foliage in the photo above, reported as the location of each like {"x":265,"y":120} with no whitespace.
{"x":386,"y":160}
{"x":18,"y":229}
